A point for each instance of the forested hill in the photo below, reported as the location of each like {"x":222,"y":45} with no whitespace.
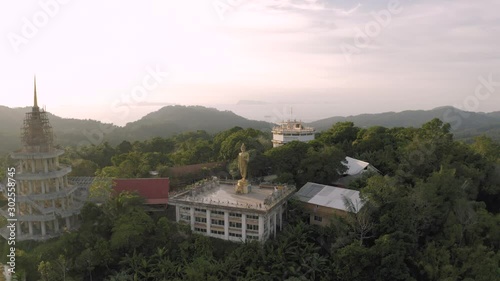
{"x":171,"y":120}
{"x":464,"y":124}
{"x":166,"y":122}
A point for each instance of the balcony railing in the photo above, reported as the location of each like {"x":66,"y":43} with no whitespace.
{"x":37,"y":155}
{"x":48,"y":196}
{"x":42,"y":175}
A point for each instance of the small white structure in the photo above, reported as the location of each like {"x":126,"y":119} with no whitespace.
{"x":355,"y":168}
{"x":290,"y":131}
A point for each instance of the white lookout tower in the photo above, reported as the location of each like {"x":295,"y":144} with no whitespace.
{"x":290,"y":131}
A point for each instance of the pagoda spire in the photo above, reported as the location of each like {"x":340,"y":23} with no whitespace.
{"x":35,"y":101}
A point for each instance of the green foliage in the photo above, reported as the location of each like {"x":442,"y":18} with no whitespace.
{"x":432,"y":215}
{"x":288,"y":158}
{"x":323,"y":166}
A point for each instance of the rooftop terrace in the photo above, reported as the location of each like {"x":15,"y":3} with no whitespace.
{"x":222,"y":194}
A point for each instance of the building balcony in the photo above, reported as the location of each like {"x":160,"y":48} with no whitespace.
{"x":298,"y":132}
{"x":74,"y":210}
{"x":35,"y":217}
{"x":43,"y":176}
{"x":48,"y":196}
{"x":37,"y":155}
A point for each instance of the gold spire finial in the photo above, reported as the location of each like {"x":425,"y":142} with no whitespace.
{"x":35,"y":101}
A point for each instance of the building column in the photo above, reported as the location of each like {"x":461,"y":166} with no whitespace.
{"x":191,"y":212}
{"x":45,"y":166}
{"x":177,"y":213}
{"x":281,"y":218}
{"x":274,"y":223}
{"x":43,"y":186}
{"x":44,"y":231}
{"x":261,"y":228}
{"x":32,"y":166}
{"x":68,"y":223}
{"x":226,"y":225}
{"x":209,"y":222}
{"x":56,"y":225}
{"x":244,"y":227}
{"x":268,"y":222}
{"x":30,"y":227}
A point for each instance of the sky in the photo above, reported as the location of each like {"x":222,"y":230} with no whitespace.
{"x":115,"y":61}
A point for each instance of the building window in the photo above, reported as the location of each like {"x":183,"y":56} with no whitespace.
{"x":197,"y":229}
{"x":185,"y":217}
{"x":198,"y":219}
{"x":252,"y":217}
{"x":234,"y":234}
{"x":317,"y":218}
{"x":252,"y":227}
{"x":235,"y":224}
{"x":218,"y":232}
{"x":200,"y":210}
{"x":252,"y":237}
{"x":217,"y":222}
{"x":185,"y":208}
{"x":217,"y":213}
{"x":235,"y":215}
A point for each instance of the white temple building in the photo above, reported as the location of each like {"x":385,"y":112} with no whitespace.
{"x":292,"y":131}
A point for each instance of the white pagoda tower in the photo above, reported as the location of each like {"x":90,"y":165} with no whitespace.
{"x":46,"y":205}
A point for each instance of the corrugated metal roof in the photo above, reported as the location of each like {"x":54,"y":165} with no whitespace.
{"x":328,"y":196}
{"x":309,"y":190}
{"x":354,"y":166}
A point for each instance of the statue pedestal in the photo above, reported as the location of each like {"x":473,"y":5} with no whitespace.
{"x":242,"y":186}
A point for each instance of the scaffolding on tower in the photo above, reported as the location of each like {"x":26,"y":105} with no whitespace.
{"x":36,"y":133}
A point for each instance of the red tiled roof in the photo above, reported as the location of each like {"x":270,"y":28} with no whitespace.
{"x":194,"y":168}
{"x":154,"y":190}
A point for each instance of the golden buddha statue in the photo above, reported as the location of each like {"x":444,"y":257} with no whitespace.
{"x":243,"y":159}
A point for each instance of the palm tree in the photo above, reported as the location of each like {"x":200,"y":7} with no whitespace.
{"x":359,"y":219}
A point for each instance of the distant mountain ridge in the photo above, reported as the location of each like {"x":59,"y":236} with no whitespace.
{"x":165,"y":122}
{"x":174,"y":119}
{"x":464,"y":124}
{"x":171,"y":120}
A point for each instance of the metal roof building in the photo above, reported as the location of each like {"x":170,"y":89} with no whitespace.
{"x":324,"y":201}
{"x":328,"y":196}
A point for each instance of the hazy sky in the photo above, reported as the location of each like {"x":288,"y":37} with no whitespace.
{"x":108,"y":60}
